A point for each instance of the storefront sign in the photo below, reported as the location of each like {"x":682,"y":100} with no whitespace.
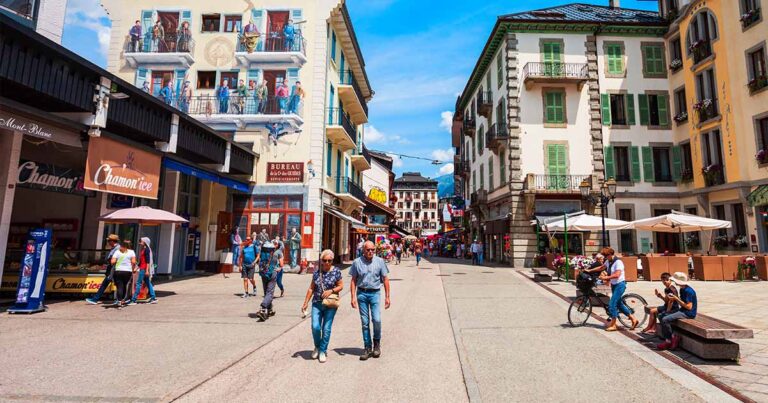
{"x":285,"y":172}
{"x":30,"y":288}
{"x":378,"y":195}
{"x":18,"y":123}
{"x":48,"y":177}
{"x":114,"y":167}
{"x":63,"y":283}
{"x":377,"y":229}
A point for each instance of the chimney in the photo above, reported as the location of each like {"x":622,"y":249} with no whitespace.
{"x":613,"y":4}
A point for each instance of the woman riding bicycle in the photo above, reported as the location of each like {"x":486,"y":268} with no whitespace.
{"x":618,"y":287}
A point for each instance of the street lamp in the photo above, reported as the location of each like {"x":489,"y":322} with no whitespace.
{"x":607,"y":193}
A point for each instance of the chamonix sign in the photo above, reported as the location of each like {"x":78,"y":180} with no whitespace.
{"x":114,"y":167}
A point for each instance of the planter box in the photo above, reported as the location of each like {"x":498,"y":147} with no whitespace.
{"x":678,"y":263}
{"x":630,"y":268}
{"x":762,"y":267}
{"x":731,"y":267}
{"x":653,"y":266}
{"x":708,"y":268}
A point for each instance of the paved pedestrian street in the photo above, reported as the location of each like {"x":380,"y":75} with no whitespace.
{"x":454,"y":333}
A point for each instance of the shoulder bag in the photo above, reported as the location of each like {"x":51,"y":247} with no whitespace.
{"x":332,"y":301}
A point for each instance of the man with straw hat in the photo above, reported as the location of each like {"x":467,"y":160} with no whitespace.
{"x":113,"y":241}
{"x":688,"y":305}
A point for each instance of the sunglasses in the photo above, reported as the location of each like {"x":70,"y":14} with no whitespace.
{"x":370,"y":250}
{"x":327,"y":260}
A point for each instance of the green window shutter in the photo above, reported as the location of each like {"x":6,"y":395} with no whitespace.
{"x":181,"y":75}
{"x":630,"y":109}
{"x":562,"y":168}
{"x":654,"y":59}
{"x":663,"y":102}
{"x":610,"y":166}
{"x":615,"y":59}
{"x":552,"y":159}
{"x":329,"y":157}
{"x":642,"y":100}
{"x":635,"y":158}
{"x":677,"y":163}
{"x":605,"y":102}
{"x":142,"y":75}
{"x":490,"y":172}
{"x":549,"y":113}
{"x":500,"y":69}
{"x":648,"y":164}
{"x":146,"y":27}
{"x":560,"y":107}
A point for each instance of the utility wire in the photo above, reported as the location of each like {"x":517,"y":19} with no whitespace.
{"x":432,"y":160}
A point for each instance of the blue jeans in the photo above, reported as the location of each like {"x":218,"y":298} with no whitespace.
{"x":666,"y":323}
{"x":294,"y":256}
{"x":289,"y":41}
{"x":235,"y":254}
{"x":150,"y":288}
{"x":368,"y":303}
{"x":223,"y":105}
{"x":293,"y":106}
{"x":480,"y":258}
{"x":280,"y":280}
{"x":104,"y":284}
{"x":616,"y":304}
{"x":322,"y":320}
{"x":418,"y":258}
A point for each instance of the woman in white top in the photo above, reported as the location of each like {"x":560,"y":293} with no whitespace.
{"x":124,"y":261}
{"x":618,"y":285}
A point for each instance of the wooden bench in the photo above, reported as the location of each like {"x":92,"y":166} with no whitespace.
{"x":706,"y":337}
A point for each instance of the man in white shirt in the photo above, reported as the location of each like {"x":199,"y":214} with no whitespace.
{"x":618,"y":287}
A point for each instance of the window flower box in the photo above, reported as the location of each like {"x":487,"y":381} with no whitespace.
{"x":757,"y":84}
{"x":681,"y":117}
{"x":761,"y":157}
{"x":676,"y":64}
{"x":750,"y":17}
{"x":713,"y":174}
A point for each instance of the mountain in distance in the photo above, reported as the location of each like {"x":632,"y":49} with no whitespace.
{"x":444,"y":185}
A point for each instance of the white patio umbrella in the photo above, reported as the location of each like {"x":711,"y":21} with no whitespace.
{"x":584,"y":222}
{"x":678,"y":222}
{"x":142,"y":215}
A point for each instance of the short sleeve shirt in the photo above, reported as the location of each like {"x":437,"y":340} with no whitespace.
{"x":617,"y":265}
{"x":369,"y":274}
{"x":325,"y":282}
{"x":688,"y":294}
{"x":124,"y":260}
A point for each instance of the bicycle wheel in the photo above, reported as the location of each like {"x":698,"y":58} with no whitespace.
{"x":636,"y":305}
{"x":579,"y":311}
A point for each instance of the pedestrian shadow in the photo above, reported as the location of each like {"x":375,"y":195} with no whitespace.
{"x":349,"y":351}
{"x":306,"y":355}
{"x":592,"y":325}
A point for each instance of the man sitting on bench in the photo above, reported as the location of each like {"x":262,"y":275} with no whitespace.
{"x":688,"y":305}
{"x":669,"y":306}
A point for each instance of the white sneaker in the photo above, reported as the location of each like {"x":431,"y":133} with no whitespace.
{"x":323,"y":357}
{"x":315,"y":354}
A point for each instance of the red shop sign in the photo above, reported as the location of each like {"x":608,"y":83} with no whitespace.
{"x":285,"y":172}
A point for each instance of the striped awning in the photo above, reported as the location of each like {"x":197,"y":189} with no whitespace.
{"x":759,"y":196}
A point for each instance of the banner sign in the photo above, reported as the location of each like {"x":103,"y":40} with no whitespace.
{"x":114,"y":167}
{"x":25,"y":125}
{"x":285,"y":172}
{"x":36,"y":175}
{"x":377,"y":229}
{"x":30,"y":290}
{"x":63,"y":283}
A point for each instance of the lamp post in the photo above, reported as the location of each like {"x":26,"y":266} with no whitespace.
{"x":606,"y":194}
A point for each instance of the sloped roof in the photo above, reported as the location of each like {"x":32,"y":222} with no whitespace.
{"x":414,"y":177}
{"x":588,"y":13}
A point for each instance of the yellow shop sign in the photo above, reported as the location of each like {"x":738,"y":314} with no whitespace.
{"x":65,"y":283}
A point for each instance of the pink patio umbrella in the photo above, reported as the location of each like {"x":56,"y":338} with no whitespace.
{"x":143,"y":215}
{"x":394,"y":236}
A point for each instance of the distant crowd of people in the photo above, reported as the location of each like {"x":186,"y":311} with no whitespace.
{"x":127,"y":271}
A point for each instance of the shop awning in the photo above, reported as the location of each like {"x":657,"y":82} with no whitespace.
{"x":759,"y":196}
{"x":356,"y":224}
{"x":209,"y":176}
{"x":372,"y":206}
{"x":398,"y":230}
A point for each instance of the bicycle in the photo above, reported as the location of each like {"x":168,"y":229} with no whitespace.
{"x":581,"y":307}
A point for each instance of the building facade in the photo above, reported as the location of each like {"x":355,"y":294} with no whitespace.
{"x":377,"y":184}
{"x":416,"y":204}
{"x":44,"y":16}
{"x":285,"y":78}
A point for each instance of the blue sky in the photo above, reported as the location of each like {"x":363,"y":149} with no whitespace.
{"x":418,"y":55}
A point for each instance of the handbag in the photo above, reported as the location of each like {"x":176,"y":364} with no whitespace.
{"x":331,"y":301}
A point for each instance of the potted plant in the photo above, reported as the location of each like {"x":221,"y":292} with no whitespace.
{"x":747,"y":268}
{"x":681,"y":117}
{"x":750,"y":17}
{"x":675,"y":64}
{"x":758,"y":83}
{"x":692,"y":241}
{"x":761,"y":157}
{"x":721,"y":242}
{"x":581,"y":262}
{"x":703,"y":109}
{"x":740,"y":241}
{"x":711,"y":174}
{"x":559,"y":264}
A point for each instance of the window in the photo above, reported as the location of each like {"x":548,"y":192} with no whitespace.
{"x":552,"y":56}
{"x":399,"y":205}
{"x":482,"y":176}
{"x":626,"y":236}
{"x":232,"y":23}
{"x":686,"y":169}
{"x":706,"y":94}
{"x":189,"y":196}
{"x":662,"y":171}
{"x":675,"y":54}
{"x":487,"y":83}
{"x":712,"y":154}
{"x":739,"y":224}
{"x":614,"y":59}
{"x":654,"y":110}
{"x":500,"y":69}
{"x":333,"y":45}
{"x":681,"y":106}
{"x":211,"y":22}
{"x":490,"y":172}
{"x":750,"y":12}
{"x":502,"y":167}
{"x":230,"y":76}
{"x":206,"y":80}
{"x":618,"y":110}
{"x":701,"y":32}
{"x":719,"y":213}
{"x":554,"y":108}
{"x":761,"y":125}
{"x":653,"y":60}
{"x":621,"y":161}
{"x":480,"y":140}
{"x":756,"y":68}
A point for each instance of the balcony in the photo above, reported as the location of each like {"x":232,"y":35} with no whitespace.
{"x":701,"y":50}
{"x":484,"y":103}
{"x":361,"y":160}
{"x":352,"y":97}
{"x":554,"y":183}
{"x":706,"y":109}
{"x":275,"y":49}
{"x":554,"y":73}
{"x":461,"y":169}
{"x":238,"y":112}
{"x":172,"y":49}
{"x":497,"y":136}
{"x":349,"y":191}
{"x":470,"y":126}
{"x":340,"y":130}
{"x":479,"y":197}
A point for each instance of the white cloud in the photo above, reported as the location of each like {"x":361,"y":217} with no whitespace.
{"x":446,"y":169}
{"x":446,"y":121}
{"x":90,"y":15}
{"x":375,"y":136}
{"x":397,"y":162}
{"x":444,"y":155}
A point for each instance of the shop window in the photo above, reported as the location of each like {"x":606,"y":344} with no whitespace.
{"x":756,"y":68}
{"x":189,"y":196}
{"x":681,"y":106}
{"x":653,"y":60}
{"x":211,"y":22}
{"x":276,"y":214}
{"x":232,"y":23}
{"x":206,"y":80}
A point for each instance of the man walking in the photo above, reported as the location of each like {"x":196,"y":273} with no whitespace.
{"x":270,"y":260}
{"x":368,"y":273}
{"x":247,"y":263}
{"x":114,"y":245}
{"x":473,"y":249}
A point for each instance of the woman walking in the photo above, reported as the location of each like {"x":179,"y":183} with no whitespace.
{"x":324,"y":291}
{"x":124,"y":260}
{"x":618,"y":286}
{"x":398,"y":251}
{"x":146,"y":264}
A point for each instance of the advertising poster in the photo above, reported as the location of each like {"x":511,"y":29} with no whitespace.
{"x":30,"y":291}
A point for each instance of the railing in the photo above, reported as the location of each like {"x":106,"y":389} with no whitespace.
{"x":556,"y":182}
{"x":240,"y":161}
{"x":171,"y":42}
{"x":348,"y":78}
{"x":497,"y":132}
{"x":22,"y":8}
{"x":236,"y":105}
{"x":274,"y":42}
{"x":461,"y":168}
{"x":701,"y":50}
{"x":345,"y":185}
{"x":484,"y":99}
{"x":337,"y":117}
{"x":576,"y":71}
{"x":469,"y":125}
{"x":479,"y":197}
{"x":707,"y":109}
{"x":366,"y":154}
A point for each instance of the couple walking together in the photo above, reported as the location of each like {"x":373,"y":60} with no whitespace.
{"x":369,"y":273}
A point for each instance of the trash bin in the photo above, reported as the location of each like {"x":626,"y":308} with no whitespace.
{"x":225,"y":262}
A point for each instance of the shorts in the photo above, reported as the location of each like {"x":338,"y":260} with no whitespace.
{"x":248,"y":272}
